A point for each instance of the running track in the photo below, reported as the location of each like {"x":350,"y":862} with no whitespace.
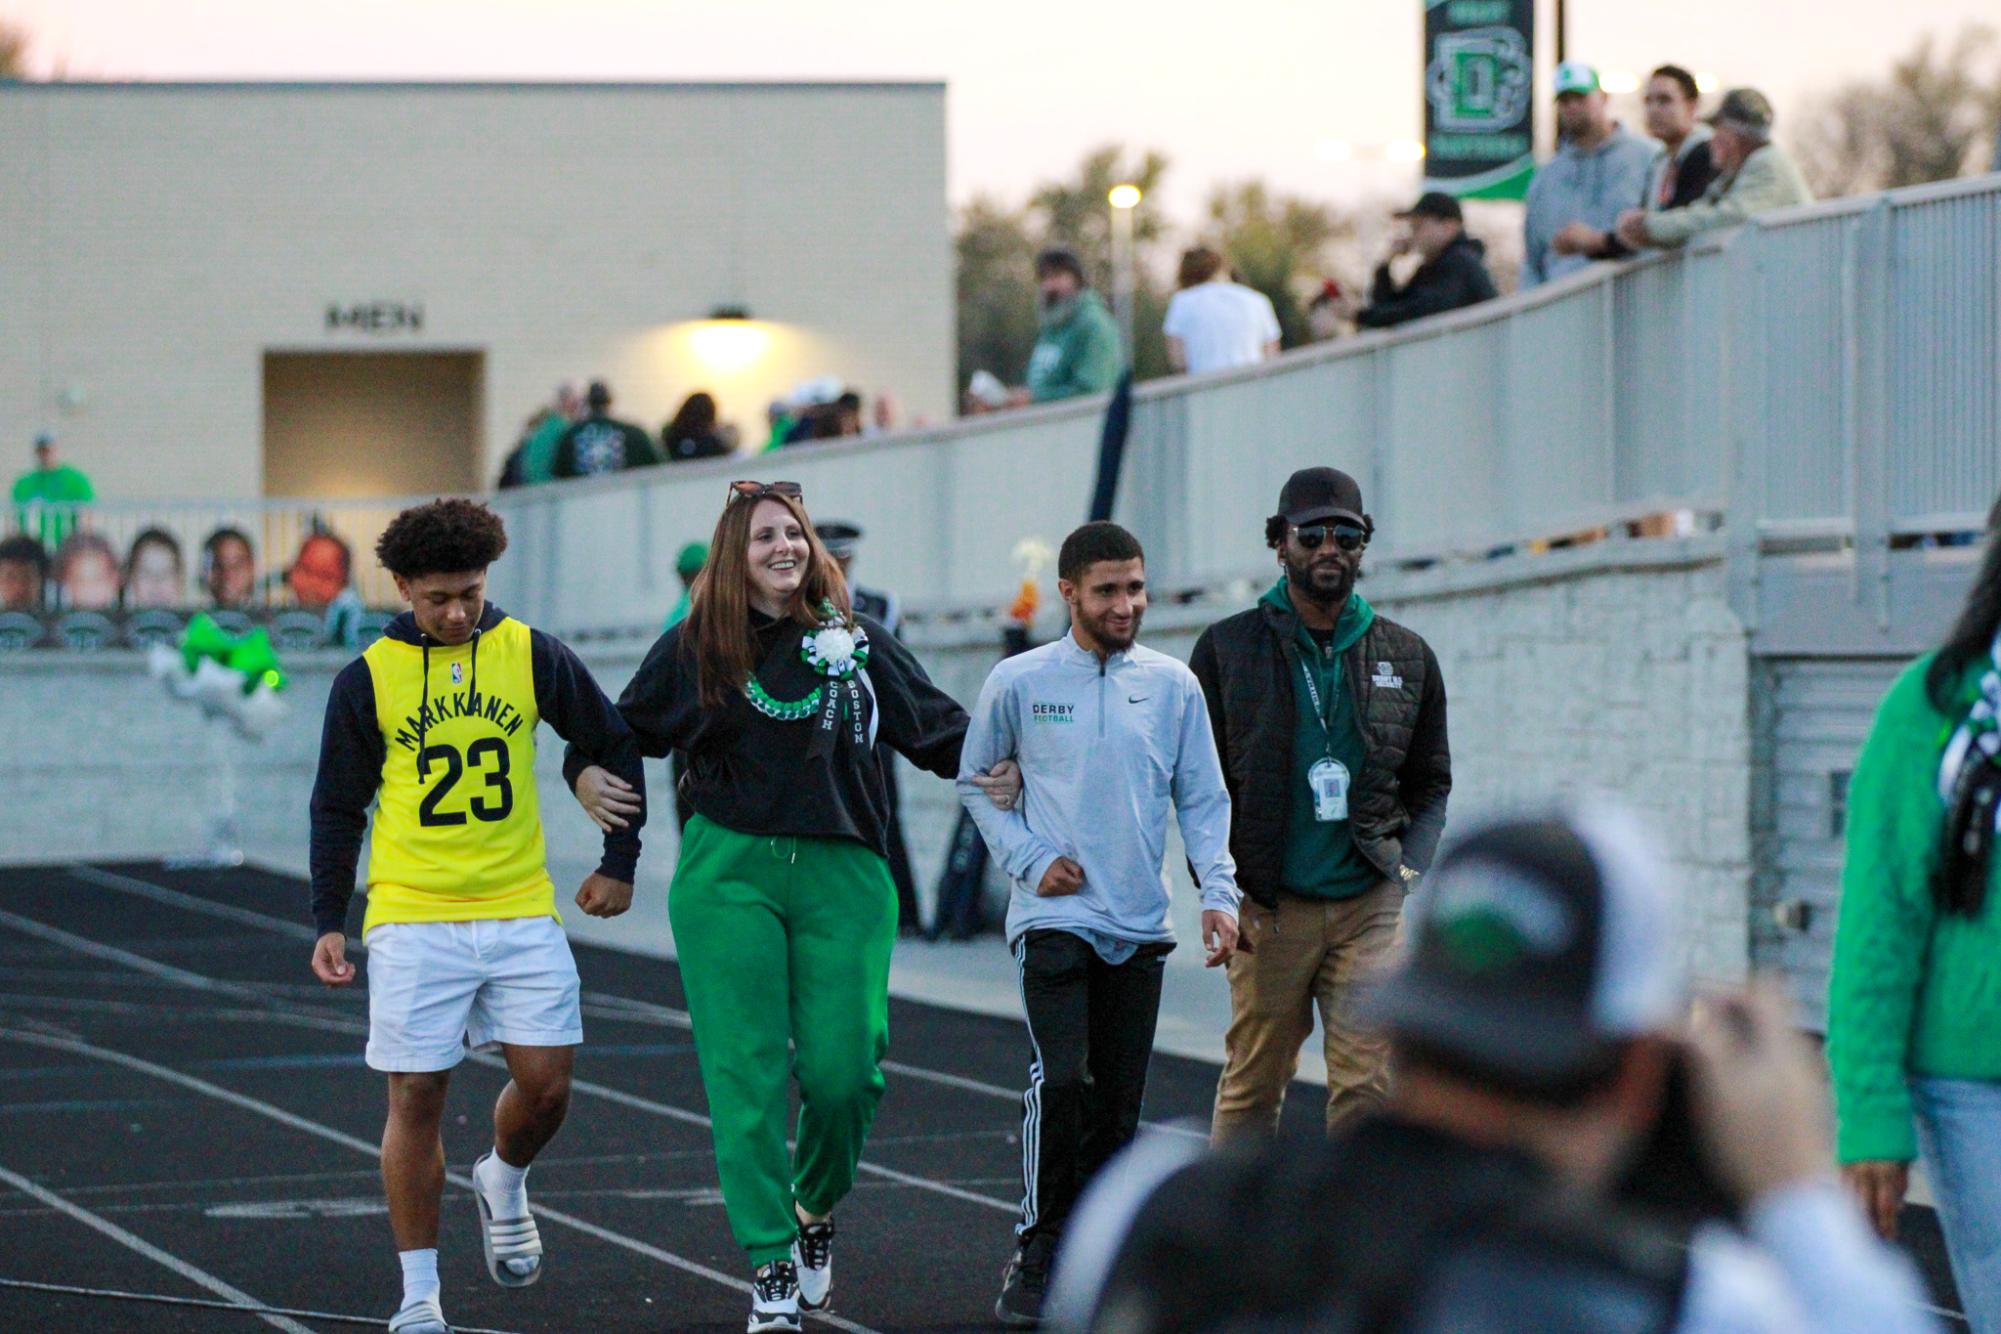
{"x":187,"y":1138}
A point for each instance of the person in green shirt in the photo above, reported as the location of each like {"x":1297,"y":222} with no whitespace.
{"x":688,"y":564}
{"x":538,"y":451}
{"x":1077,"y":351}
{"x":47,"y":496}
{"x":1914,"y":999}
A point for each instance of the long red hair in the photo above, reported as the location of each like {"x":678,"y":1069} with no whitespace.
{"x":718,"y":632}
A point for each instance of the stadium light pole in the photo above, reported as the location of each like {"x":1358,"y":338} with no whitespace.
{"x":1123,"y":198}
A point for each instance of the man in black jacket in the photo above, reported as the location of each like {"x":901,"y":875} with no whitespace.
{"x":1453,"y":274}
{"x":1331,"y":723}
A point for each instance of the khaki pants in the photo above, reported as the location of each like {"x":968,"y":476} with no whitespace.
{"x":1307,"y":952}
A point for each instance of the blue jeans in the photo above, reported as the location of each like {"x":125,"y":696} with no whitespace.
{"x":1959,"y":1142}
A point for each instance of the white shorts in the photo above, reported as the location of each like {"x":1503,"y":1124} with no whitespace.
{"x":438,"y":988}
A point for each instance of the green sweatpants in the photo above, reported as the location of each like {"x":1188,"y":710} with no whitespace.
{"x":784,"y":940}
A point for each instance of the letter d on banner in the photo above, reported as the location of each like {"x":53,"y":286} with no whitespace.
{"x":1479,"y":97}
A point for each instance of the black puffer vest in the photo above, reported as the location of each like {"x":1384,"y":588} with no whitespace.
{"x":1248,"y":665}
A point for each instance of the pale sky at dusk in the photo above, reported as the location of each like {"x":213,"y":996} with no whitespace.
{"x":1259,"y":88}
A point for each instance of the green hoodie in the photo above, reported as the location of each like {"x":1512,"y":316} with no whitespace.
{"x":1077,"y":352}
{"x":1321,"y":860}
{"x":1913,"y":992}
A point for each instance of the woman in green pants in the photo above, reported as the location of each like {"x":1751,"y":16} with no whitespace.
{"x":783,"y":909}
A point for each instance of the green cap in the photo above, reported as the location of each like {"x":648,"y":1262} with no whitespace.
{"x":1574,"y":76}
{"x":692,"y":558}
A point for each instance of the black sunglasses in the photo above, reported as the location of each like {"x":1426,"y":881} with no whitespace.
{"x":759,"y":490}
{"x":1346,"y":536}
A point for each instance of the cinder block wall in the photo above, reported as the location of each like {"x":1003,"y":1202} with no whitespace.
{"x":1598,"y":670}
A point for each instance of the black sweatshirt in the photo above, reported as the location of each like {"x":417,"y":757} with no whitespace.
{"x":1458,"y":277}
{"x":353,"y":749}
{"x":752,"y":773}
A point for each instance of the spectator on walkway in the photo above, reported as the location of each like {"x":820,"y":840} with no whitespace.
{"x":1538,"y":1027}
{"x":1681,"y":173}
{"x":1914,"y":1002}
{"x":688,"y":563}
{"x":601,"y":444}
{"x":229,"y":568}
{"x":1754,"y":175}
{"x":533,"y":461}
{"x":86,"y":572}
{"x":695,"y":433}
{"x":885,"y":416}
{"x":1452,"y":271}
{"x":1215,"y":324}
{"x":1331,"y":724}
{"x":1328,"y":313}
{"x":1599,"y":169}
{"x":1077,"y":351}
{"x":155,"y":575}
{"x":46,"y":497}
{"x":24,"y":570}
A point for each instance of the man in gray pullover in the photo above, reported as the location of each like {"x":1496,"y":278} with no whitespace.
{"x":1108,"y":735}
{"x":1598,"y":171}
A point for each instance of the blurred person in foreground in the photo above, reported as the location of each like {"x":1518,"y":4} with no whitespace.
{"x":1753,"y":176}
{"x":1600,"y":167}
{"x":1682,"y":171}
{"x":1914,"y":1002}
{"x":24,"y":569}
{"x":155,"y":575}
{"x":1214,"y":323}
{"x":1451,"y":271}
{"x":1541,"y":1047}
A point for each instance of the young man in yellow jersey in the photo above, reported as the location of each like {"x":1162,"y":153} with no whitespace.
{"x":436,"y":723}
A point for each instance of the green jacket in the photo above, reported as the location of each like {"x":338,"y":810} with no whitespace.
{"x":1913,"y":992}
{"x":538,"y":454}
{"x":1077,"y":352}
{"x":46,"y":500}
{"x":1766,"y":180}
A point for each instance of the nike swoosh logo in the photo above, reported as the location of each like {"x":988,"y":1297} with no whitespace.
{"x":1138,"y":699}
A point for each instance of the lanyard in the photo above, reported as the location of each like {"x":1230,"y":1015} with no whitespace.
{"x":1319,"y":709}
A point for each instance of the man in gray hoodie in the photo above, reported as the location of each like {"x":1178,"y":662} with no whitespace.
{"x":1598,"y":171}
{"x":1109,"y":735}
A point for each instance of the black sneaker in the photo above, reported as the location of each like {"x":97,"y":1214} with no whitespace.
{"x":1023,"y":1283}
{"x":774,"y":1299}
{"x":813,"y":1258}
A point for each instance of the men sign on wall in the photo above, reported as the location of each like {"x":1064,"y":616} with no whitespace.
{"x":1479,"y":76}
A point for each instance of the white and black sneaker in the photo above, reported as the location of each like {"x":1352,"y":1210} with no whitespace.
{"x":813,"y":1256}
{"x":774,"y":1299}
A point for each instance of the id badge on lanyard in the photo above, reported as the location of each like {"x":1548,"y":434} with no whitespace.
{"x":1328,"y":778}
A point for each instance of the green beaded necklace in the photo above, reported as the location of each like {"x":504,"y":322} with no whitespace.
{"x":785,"y":712}
{"x":798,"y":710}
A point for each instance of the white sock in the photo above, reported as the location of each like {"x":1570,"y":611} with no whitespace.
{"x":420,"y":1274}
{"x":504,"y":1186}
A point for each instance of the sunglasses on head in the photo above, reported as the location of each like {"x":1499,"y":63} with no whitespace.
{"x":1346,"y":536}
{"x":759,"y":490}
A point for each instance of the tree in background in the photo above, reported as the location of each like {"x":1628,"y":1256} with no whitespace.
{"x":13,"y":51}
{"x":1933,"y":118}
{"x":1276,"y":243}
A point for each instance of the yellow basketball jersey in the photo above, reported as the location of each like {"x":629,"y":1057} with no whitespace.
{"x":458,"y":834}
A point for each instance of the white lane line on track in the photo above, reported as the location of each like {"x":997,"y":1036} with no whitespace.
{"x":243,"y":1101}
{"x":162,"y":1299}
{"x":663,"y":1014}
{"x":192,"y":1273}
{"x":182,"y":976}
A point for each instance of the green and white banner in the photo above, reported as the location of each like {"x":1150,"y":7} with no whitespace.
{"x":1479,"y":97}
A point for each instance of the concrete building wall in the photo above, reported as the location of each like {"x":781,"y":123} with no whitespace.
{"x":1588,"y":670}
{"x":162,"y":238}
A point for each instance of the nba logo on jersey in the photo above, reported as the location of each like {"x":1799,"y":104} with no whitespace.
{"x":458,"y":675}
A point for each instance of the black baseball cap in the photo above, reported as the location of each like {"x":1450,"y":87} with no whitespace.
{"x":1435,"y":204}
{"x":1315,"y":495}
{"x":839,"y":537}
{"x":1539,"y":946}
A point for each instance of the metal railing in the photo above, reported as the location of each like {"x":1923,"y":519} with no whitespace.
{"x":1830,"y":373}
